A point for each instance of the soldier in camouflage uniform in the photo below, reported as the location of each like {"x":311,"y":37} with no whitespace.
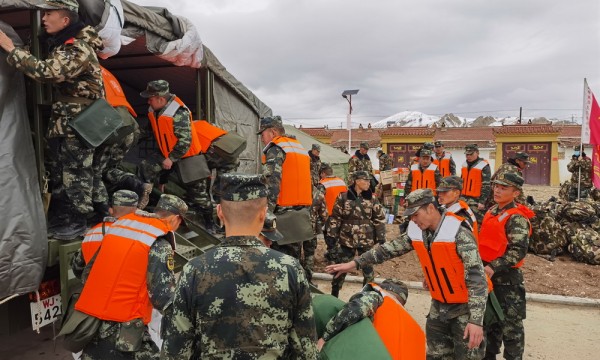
{"x":575,"y":167}
{"x":357,"y":222}
{"x":73,"y":69}
{"x":315,"y":163}
{"x":425,"y":163}
{"x":503,"y":243}
{"x":124,"y":202}
{"x":361,"y":305}
{"x":453,"y":330}
{"x":476,"y":176}
{"x":515,"y":164}
{"x":360,"y":161}
{"x":385,"y":161}
{"x":115,"y":340}
{"x":241,"y":300}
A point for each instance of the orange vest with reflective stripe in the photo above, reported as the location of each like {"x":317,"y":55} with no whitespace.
{"x":444,"y":164}
{"x":93,"y":239}
{"x":492,"y":236}
{"x":333,"y":187}
{"x":442,"y":268}
{"x":116,"y":288}
{"x":423,"y":179}
{"x":400,"y":333}
{"x":207,"y":133}
{"x":472,"y":179}
{"x":114,"y":92}
{"x":296,"y":183}
{"x":463,"y":205}
{"x":163,"y":129}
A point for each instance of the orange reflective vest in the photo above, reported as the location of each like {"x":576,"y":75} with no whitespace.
{"x":444,"y":164}
{"x":442,"y":268}
{"x":423,"y":179}
{"x":207,"y":133}
{"x":93,"y":239}
{"x":116,"y":288}
{"x":333,"y":187}
{"x":296,"y":183}
{"x":492,"y":236}
{"x":400,"y":333}
{"x":163,"y":129}
{"x":472,"y":179}
{"x":114,"y":92}
{"x":461,"y":205}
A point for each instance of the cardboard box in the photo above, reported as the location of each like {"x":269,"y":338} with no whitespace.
{"x":387,"y":177}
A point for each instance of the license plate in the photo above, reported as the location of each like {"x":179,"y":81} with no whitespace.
{"x":46,"y":312}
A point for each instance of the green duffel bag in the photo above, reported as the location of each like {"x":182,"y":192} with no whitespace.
{"x":96,"y":123}
{"x":77,"y":328}
{"x":358,"y":341}
{"x":294,"y":225}
{"x":229,"y":146}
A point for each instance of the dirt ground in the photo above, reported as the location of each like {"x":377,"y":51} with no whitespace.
{"x":564,"y":276}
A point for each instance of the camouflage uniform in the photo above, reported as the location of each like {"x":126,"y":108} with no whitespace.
{"x":446,"y":322}
{"x":549,"y":236}
{"x":509,"y":289}
{"x":241,"y":300}
{"x":315,"y":164}
{"x":486,"y":187}
{"x":318,"y":216}
{"x":357,"y":222}
{"x":585,"y":164}
{"x":359,"y":162}
{"x":408,"y":184}
{"x":361,"y":305}
{"x":512,"y":167}
{"x":160,"y":281}
{"x":73,"y":69}
{"x":385,"y":162}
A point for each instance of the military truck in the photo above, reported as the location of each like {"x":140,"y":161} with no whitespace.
{"x":141,"y":44}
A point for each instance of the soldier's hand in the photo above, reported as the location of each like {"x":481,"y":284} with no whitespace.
{"x":339,"y":269}
{"x":5,"y":42}
{"x":488,"y":271}
{"x":320,"y":344}
{"x":481,"y":206}
{"x":475,"y":335}
{"x":167,"y":164}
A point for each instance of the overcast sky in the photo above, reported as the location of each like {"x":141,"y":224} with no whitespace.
{"x":466,"y":57}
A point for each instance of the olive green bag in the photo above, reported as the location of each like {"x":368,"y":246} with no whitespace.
{"x":294,"y":225}
{"x":229,"y":146}
{"x":78,"y":328}
{"x":96,"y":123}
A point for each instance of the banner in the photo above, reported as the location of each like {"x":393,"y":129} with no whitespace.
{"x":590,"y":123}
{"x":596,"y":166}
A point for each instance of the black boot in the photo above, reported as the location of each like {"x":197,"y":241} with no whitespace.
{"x":335,"y":291}
{"x":76,"y":225}
{"x":209,"y":222}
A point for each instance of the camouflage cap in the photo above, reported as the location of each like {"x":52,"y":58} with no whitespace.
{"x":70,"y":5}
{"x":325,"y":167}
{"x":510,"y":179}
{"x":428,"y":145}
{"x":316,"y":147}
{"x":450,"y":183}
{"x":269,"y":229}
{"x":364,"y":145}
{"x":269,"y":122}
{"x":125,"y":198}
{"x":438,"y":143}
{"x":523,"y":156}
{"x":471,"y":148}
{"x":416,"y":199}
{"x":425,"y":152}
{"x":156,"y":88}
{"x":396,"y":286}
{"x":172,"y":204}
{"x":360,"y":175}
{"x":242,"y":187}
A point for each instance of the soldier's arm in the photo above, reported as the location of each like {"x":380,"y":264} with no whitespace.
{"x":160,"y":278}
{"x":437,"y":177}
{"x":272,"y":168}
{"x":352,"y":165}
{"x":486,"y":184}
{"x":572,"y":165}
{"x":182,"y":129}
{"x":467,"y":250}
{"x":78,"y":264}
{"x":303,"y":335}
{"x":334,"y":222}
{"x":391,"y":249}
{"x":517,"y":233}
{"x":452,"y":166}
{"x":180,"y":318}
{"x":63,"y":64}
{"x":378,"y":220}
{"x":360,"y":306}
{"x":322,"y":214}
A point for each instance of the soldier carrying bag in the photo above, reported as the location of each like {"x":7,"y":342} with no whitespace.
{"x":96,"y":123}
{"x":192,"y":169}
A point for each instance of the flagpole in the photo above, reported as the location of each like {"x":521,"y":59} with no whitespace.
{"x":581,"y":142}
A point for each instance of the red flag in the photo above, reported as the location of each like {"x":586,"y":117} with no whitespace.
{"x":596,"y":166}
{"x":590,"y":127}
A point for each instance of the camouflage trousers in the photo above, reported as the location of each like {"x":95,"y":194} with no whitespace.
{"x":308,"y":258}
{"x":71,"y":172}
{"x":510,"y":331}
{"x":104,"y":345}
{"x":113,"y":174}
{"x":348,"y":254}
{"x":293,"y":250}
{"x":445,"y":338}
